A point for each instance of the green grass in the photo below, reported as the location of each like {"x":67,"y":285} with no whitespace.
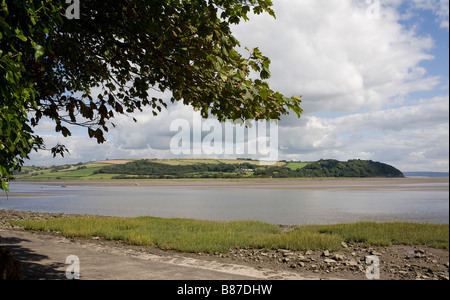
{"x":85,"y":172}
{"x":177,"y":234}
{"x":194,"y":161}
{"x":297,"y":165}
{"x":386,"y":234}
{"x":207,"y":236}
{"x":74,"y":173}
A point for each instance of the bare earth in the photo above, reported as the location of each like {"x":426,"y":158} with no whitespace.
{"x":396,"y":262}
{"x":301,"y":184}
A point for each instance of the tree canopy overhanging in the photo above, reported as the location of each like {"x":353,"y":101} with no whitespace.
{"x":108,"y":62}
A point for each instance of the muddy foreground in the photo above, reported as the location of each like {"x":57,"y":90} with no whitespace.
{"x":396,"y":262}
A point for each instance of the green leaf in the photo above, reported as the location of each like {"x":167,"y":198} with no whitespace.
{"x":91,"y":133}
{"x":224,"y":51}
{"x":264,"y":94}
{"x":66,"y":132}
{"x":249,"y":96}
{"x":264,"y":74}
{"x":4,"y":185}
{"x":20,"y":35}
{"x":224,"y":77}
{"x":39,"y":50}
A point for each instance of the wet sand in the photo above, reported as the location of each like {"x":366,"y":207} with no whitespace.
{"x":357,"y":184}
{"x":22,"y":195}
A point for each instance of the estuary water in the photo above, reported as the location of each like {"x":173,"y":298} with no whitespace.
{"x":278,"y":205}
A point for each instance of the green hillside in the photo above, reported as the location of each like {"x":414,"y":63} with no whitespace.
{"x":206,"y":168}
{"x":63,"y":173}
{"x":333,"y":168}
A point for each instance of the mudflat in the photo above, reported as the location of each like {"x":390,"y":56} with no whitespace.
{"x":409,"y":183}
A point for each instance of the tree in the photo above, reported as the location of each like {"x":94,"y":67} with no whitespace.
{"x":85,"y":71}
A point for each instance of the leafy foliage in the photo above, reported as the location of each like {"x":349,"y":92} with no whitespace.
{"x":324,"y":168}
{"x":86,"y":71}
{"x":333,"y":168}
{"x":22,"y":30}
{"x":150,"y":170}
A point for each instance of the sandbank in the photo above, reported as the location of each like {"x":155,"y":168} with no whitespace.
{"x":350,"y":184}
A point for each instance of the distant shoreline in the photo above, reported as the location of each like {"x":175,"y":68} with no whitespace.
{"x":427,"y":174}
{"x":407,"y":183}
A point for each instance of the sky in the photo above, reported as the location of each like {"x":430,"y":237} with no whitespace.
{"x":373,"y":76}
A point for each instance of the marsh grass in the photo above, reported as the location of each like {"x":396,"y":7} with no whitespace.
{"x":208,"y":237}
{"x":386,"y":234}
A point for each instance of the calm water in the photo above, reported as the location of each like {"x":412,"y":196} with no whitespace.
{"x":277,"y":206}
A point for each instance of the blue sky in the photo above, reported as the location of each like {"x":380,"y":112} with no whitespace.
{"x":428,"y":25}
{"x":373,"y":88}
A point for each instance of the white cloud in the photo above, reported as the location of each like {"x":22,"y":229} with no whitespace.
{"x":398,"y":136}
{"x":337,"y":57}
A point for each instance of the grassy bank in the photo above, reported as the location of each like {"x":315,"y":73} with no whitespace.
{"x":205,"y":236}
{"x":98,"y":171}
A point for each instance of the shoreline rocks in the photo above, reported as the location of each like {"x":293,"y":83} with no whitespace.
{"x":352,"y":264}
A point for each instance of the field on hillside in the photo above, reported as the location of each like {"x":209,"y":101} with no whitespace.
{"x":64,"y":173}
{"x":90,"y":171}
{"x":145,"y":169}
{"x":193,"y":161}
{"x":296,"y":165}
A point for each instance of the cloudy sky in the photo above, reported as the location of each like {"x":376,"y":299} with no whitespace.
{"x":374,"y":79}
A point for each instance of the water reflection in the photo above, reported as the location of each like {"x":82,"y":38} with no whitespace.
{"x":278,"y":206}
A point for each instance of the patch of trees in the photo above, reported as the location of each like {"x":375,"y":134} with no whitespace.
{"x":144,"y":169}
{"x":333,"y":168}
